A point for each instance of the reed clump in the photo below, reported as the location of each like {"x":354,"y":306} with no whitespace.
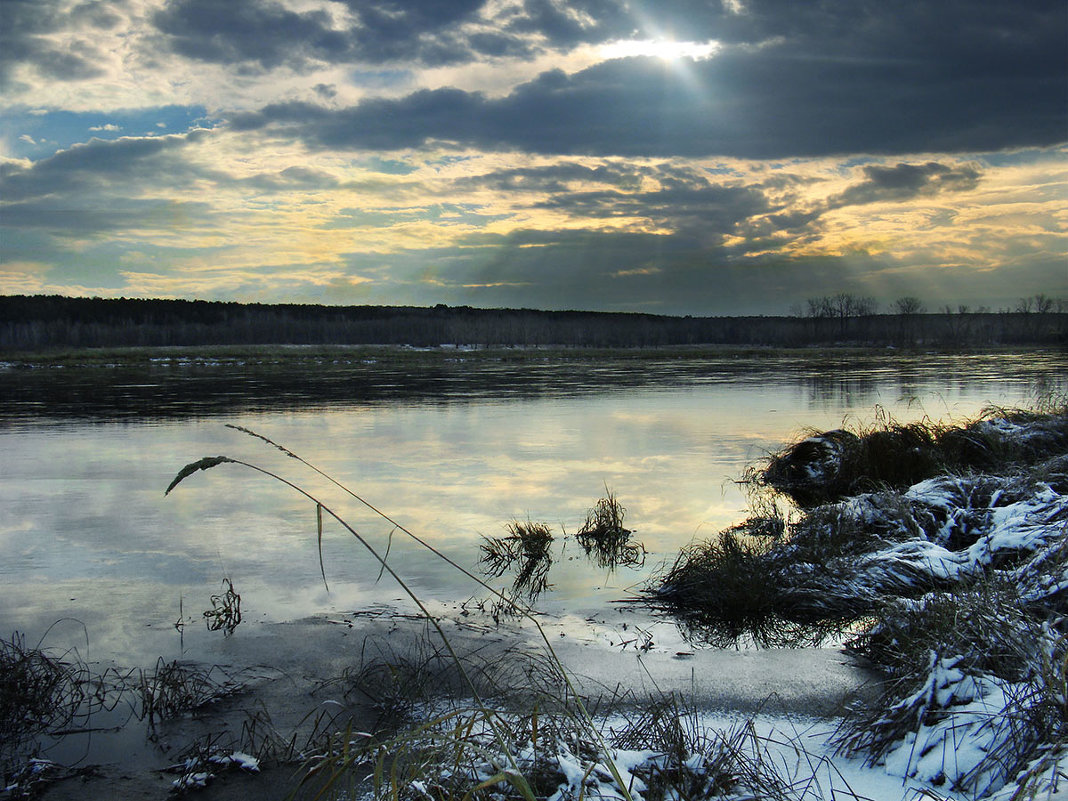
{"x":40,"y":693}
{"x":604,"y":538}
{"x":527,"y":549}
{"x":826,"y":467}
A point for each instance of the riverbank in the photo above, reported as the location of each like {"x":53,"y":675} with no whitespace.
{"x":940,"y":552}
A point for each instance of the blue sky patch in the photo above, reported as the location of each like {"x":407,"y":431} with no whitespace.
{"x":37,"y":134}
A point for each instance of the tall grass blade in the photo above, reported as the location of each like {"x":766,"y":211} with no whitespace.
{"x":319,"y":532}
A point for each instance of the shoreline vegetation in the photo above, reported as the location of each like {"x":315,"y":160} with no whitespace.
{"x":940,"y":554}
{"x":49,"y":324}
{"x":937,"y":552}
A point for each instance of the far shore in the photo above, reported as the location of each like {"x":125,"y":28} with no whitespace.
{"x":297,"y":355}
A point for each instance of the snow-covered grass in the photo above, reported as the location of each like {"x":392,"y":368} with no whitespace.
{"x":955,"y":585}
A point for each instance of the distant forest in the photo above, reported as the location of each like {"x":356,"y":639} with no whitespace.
{"x":48,"y":322}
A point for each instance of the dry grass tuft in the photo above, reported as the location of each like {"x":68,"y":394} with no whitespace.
{"x":40,"y":694}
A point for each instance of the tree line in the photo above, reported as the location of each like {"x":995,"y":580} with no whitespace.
{"x":29,"y":322}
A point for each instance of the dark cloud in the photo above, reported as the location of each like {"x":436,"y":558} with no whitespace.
{"x":97,"y":188}
{"x":59,"y":217}
{"x":562,"y":176}
{"x":98,"y":163}
{"x":25,"y":29}
{"x":269,"y":34}
{"x":566,"y":25}
{"x":292,"y":179}
{"x":791,"y":98}
{"x":690,"y":205}
{"x":604,"y":270}
{"x":424,"y":31}
{"x":906,"y":181}
{"x":677,"y":274}
{"x":238,"y":31}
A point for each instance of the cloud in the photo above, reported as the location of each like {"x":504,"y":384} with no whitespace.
{"x":28,"y":35}
{"x":241,"y":31}
{"x":504,"y":152}
{"x":759,"y":104}
{"x":96,"y":164}
{"x":681,"y":202}
{"x":102,"y":188}
{"x":59,"y":217}
{"x":561,"y":176}
{"x":269,"y":34}
{"x":906,"y":181}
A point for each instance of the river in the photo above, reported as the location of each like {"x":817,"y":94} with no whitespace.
{"x":452,"y":446}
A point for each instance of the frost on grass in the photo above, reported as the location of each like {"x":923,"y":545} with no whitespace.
{"x":941,"y":554}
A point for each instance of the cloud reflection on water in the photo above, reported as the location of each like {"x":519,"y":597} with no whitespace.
{"x":84,"y":515}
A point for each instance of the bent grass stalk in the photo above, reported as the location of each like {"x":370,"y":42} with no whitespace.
{"x":512,"y":774}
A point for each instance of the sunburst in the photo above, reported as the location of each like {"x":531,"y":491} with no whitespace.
{"x":665,"y":49}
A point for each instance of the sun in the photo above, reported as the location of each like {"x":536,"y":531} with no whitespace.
{"x":665,"y":49}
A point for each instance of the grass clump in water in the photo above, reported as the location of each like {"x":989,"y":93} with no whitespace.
{"x":528,"y":546}
{"x":527,"y":550}
{"x":604,"y":538}
{"x":173,"y":688}
{"x":225,"y":612}
{"x":745,"y":601}
{"x":45,"y":694}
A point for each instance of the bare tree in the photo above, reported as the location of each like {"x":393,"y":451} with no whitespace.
{"x":909,"y":305}
{"x":821,"y":307}
{"x":845,"y":304}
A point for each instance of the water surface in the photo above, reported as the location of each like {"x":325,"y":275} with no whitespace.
{"x":453,"y":448}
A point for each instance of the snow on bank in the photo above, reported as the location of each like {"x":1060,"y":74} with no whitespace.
{"x":740,"y":759}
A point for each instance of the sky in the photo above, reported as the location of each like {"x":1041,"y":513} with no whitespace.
{"x":702,"y":157}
